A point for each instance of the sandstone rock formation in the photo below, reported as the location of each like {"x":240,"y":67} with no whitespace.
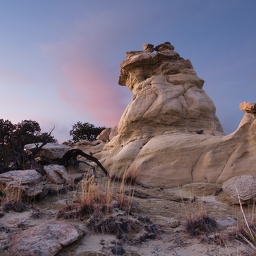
{"x":167,"y":96}
{"x":169,"y":134}
{"x":104,"y":135}
{"x":248,"y":107}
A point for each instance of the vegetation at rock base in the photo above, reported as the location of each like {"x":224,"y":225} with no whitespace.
{"x":13,"y":137}
{"x":98,"y":207}
{"x":200,"y":224}
{"x":85,"y":131}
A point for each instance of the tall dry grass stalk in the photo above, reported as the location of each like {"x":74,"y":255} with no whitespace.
{"x":122,"y":191}
{"x":102,"y":192}
{"x":14,"y":193}
{"x":18,"y":195}
{"x":92,"y":192}
{"x":247,"y":233}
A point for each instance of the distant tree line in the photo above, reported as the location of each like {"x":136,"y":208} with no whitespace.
{"x":85,"y":131}
{"x":13,"y":137}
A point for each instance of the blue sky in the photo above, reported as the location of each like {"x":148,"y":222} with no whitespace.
{"x":60,"y":59}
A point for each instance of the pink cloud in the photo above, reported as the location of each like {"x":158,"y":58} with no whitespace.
{"x":88,"y":86}
{"x":88,"y":90}
{"x":88,"y":69}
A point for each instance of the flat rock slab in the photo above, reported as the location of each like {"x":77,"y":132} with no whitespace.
{"x":26,"y":182}
{"x":46,"y":239}
{"x":49,"y":150}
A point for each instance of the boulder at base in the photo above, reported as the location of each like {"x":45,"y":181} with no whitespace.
{"x":46,"y":239}
{"x":240,"y":187}
{"x":21,"y":184}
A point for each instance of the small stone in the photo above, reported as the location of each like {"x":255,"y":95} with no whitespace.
{"x":175,"y":224}
{"x":148,"y":47}
{"x":226,"y":222}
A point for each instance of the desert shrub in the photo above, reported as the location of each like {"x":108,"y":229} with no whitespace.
{"x":247,"y":233}
{"x":13,"y":137}
{"x":200,"y":224}
{"x":85,"y":131}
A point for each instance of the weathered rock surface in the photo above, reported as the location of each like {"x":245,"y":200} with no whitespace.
{"x":57,"y":174}
{"x":45,"y":239}
{"x":104,"y":135}
{"x":169,"y":134}
{"x":243,"y":187}
{"x":50,"y":150}
{"x":21,"y":183}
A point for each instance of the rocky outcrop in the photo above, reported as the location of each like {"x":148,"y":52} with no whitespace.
{"x":169,"y":134}
{"x":45,"y":239}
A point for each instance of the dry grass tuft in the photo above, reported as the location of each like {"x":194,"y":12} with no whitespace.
{"x":105,"y":207}
{"x":200,"y":224}
{"x":16,"y":206}
{"x":97,"y":199}
{"x":246,"y":233}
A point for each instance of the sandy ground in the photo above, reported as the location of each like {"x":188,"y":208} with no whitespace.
{"x":168,"y":209}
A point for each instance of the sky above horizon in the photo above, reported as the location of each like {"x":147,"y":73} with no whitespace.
{"x":60,"y":60}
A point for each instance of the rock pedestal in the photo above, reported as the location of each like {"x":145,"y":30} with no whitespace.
{"x":167,"y":96}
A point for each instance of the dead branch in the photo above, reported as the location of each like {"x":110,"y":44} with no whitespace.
{"x":74,"y":153}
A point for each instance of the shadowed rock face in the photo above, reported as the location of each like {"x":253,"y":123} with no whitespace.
{"x":169,"y":134}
